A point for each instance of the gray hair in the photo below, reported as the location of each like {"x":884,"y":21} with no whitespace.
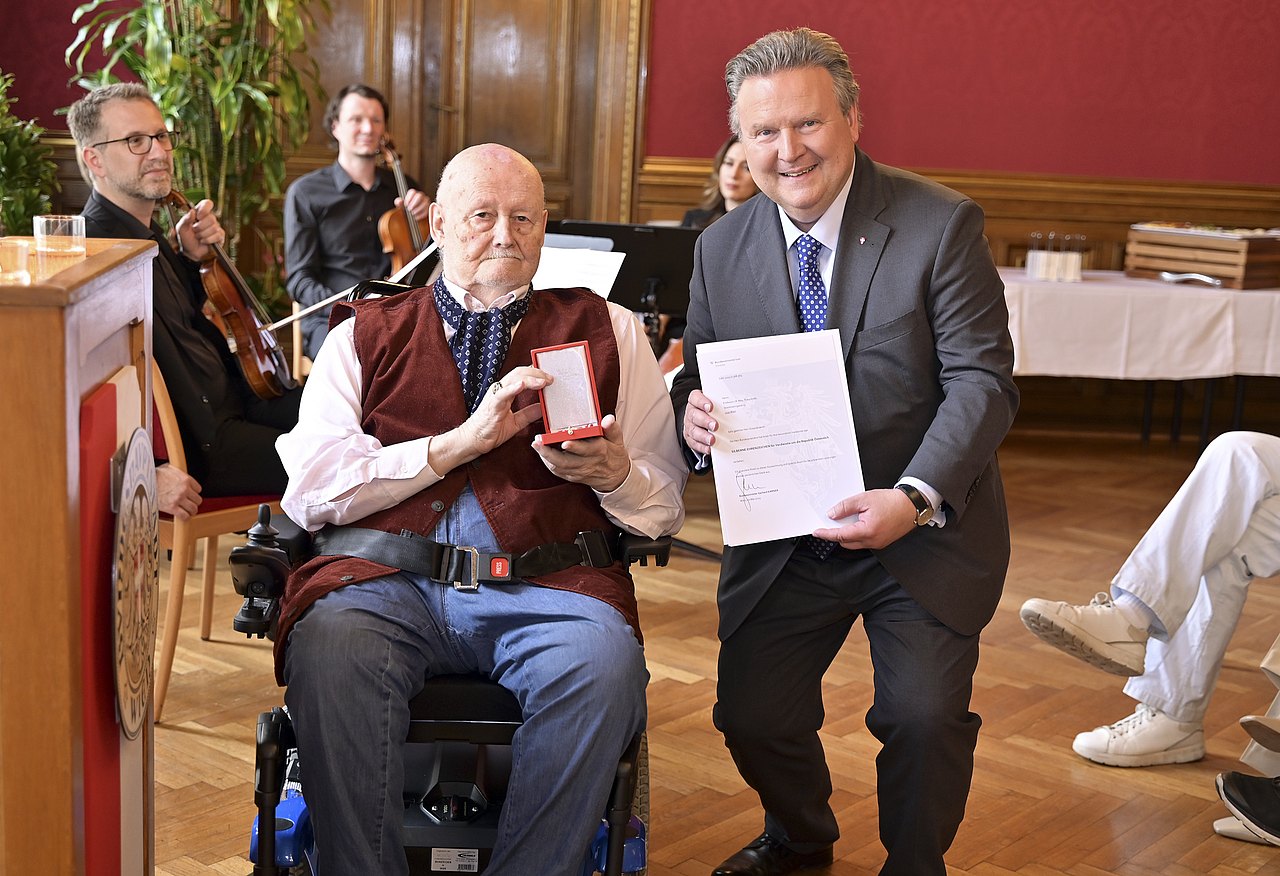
{"x":84,"y":119}
{"x":791,"y":50}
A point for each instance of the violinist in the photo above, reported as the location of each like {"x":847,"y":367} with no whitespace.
{"x":331,"y":214}
{"x":125,"y":152}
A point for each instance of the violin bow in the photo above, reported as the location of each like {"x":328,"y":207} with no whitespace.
{"x":337,"y":296}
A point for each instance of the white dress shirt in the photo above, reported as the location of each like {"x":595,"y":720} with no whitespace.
{"x":339,"y":474}
{"x":827,"y":232}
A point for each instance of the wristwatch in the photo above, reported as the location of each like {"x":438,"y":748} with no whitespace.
{"x":924,"y":511}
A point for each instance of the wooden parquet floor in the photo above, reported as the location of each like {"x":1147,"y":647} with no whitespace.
{"x":1077,"y":504}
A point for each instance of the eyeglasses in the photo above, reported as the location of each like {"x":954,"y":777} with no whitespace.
{"x":140,"y":144}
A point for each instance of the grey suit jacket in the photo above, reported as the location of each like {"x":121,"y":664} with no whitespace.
{"x":925,"y":331}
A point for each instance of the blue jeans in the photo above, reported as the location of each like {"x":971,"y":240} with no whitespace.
{"x":359,"y":654}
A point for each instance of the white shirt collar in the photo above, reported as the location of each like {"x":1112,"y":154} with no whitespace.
{"x":827,"y":229}
{"x":473,"y":304}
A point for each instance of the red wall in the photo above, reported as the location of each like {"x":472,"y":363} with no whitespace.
{"x":1155,"y":89}
{"x":34,"y":34}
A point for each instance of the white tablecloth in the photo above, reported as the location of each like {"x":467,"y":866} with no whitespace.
{"x":1115,"y":326}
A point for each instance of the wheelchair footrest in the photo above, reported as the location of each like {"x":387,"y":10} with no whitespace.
{"x":635,"y":850}
{"x":294,"y":837}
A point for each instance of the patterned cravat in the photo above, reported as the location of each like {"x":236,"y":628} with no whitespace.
{"x":811,"y":294}
{"x":480,"y":340}
{"x":811,"y":302}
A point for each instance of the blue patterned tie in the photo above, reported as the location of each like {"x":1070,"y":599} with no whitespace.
{"x":480,"y":340}
{"x":811,"y":303}
{"x":811,"y":294}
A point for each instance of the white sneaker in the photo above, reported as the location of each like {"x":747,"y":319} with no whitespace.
{"x":1232,"y":828}
{"x":1097,"y":633}
{"x":1264,"y":729}
{"x":1146,"y":738}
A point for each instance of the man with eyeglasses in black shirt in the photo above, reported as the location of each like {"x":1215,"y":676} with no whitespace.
{"x":126,"y":153}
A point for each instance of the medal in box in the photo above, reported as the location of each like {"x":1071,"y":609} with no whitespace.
{"x":570,"y":405}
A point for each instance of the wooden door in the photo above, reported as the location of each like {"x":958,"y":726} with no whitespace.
{"x":555,"y":79}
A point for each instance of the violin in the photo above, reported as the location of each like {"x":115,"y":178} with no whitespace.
{"x":403,"y":236}
{"x":245,"y":320}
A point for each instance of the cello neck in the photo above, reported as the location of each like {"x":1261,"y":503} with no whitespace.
{"x":415,"y":233}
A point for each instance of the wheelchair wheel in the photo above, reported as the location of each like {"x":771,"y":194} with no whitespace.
{"x":640,"y":802}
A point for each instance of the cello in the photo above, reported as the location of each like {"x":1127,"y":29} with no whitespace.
{"x":245,"y":320}
{"x":403,"y":236}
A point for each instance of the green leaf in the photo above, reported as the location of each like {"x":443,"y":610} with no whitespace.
{"x":27,"y":172}
{"x":235,"y":77}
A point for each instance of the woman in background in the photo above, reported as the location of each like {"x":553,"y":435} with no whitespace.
{"x":730,"y":185}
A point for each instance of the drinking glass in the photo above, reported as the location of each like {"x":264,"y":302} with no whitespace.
{"x":59,"y":242}
{"x":14,"y":253}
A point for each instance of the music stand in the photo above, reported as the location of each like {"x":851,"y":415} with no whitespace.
{"x":654,"y":280}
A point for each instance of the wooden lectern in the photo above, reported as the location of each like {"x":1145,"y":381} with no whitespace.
{"x":75,"y":794}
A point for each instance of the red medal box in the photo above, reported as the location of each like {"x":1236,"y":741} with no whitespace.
{"x":570,"y":405}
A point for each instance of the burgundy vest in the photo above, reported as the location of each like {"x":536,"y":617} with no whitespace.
{"x":411,"y":388}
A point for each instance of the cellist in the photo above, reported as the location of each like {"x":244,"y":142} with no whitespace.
{"x":331,"y":214}
{"x":126,"y":153}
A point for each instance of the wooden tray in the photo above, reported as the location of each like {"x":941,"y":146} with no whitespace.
{"x":1238,"y":259}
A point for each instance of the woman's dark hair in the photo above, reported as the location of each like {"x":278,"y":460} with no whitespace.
{"x":711,"y":198}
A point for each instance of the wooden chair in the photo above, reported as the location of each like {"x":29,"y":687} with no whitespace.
{"x":216,"y":516}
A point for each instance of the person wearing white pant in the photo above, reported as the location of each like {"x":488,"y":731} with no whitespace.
{"x":1175,"y":603}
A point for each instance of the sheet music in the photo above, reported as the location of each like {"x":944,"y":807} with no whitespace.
{"x":565,"y":268}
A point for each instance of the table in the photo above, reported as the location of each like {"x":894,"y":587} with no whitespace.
{"x":1118,"y":327}
{"x":77,"y":796}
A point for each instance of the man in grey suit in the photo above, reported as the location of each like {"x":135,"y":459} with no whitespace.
{"x":924,"y":328}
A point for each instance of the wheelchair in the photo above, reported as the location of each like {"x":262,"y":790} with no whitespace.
{"x":457,"y":752}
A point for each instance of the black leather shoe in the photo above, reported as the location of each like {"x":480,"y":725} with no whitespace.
{"x":765,"y":856}
{"x":1255,"y":801}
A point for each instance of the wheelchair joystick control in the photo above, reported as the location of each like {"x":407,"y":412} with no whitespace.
{"x":259,"y":569}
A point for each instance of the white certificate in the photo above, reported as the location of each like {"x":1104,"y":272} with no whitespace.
{"x":785,"y":448}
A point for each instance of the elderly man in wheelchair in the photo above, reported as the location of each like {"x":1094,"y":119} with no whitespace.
{"x":450,"y":539}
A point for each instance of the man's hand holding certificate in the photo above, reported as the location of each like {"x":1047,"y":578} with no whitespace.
{"x":785,"y":451}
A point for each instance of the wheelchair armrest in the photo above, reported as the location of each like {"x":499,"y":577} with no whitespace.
{"x":292,"y":538}
{"x":638,"y":549}
{"x":376,"y":289}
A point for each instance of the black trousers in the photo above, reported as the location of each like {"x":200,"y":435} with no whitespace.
{"x":770,"y":708}
{"x":243,"y":459}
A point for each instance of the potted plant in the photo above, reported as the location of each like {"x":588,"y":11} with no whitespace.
{"x":233,"y":76}
{"x":28,"y":175}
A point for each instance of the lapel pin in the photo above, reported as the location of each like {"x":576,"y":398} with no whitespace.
{"x":861,"y":241}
